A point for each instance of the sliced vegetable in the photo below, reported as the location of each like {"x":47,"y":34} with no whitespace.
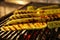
{"x":53,"y":24}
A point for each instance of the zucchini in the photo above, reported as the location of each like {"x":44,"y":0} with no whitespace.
{"x":53,"y":24}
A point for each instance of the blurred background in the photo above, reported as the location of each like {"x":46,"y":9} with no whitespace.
{"x":7,"y":6}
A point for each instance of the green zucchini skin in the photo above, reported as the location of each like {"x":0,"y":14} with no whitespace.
{"x":53,"y":24}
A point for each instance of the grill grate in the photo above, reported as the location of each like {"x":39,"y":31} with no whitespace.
{"x":43,"y":34}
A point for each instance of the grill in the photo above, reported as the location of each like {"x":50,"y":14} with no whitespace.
{"x":43,"y":34}
{"x":39,"y":34}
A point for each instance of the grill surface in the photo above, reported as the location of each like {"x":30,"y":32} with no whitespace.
{"x":43,"y":34}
